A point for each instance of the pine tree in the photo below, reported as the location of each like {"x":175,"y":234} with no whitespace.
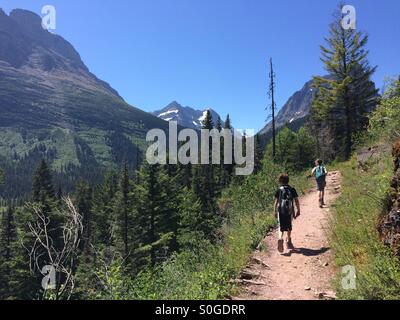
{"x":42,"y":189}
{"x":44,"y":196}
{"x":295,"y":150}
{"x":156,"y":221}
{"x":345,"y":97}
{"x":193,"y":228}
{"x":305,"y":154}
{"x":43,"y":199}
{"x":208,"y":181}
{"x":8,"y":240}
{"x":123,"y":214}
{"x":84,"y":203}
{"x":218,"y":125}
{"x":16,"y":279}
{"x":397,"y":90}
{"x":228,"y":168}
{"x":207,"y":122}
{"x":219,"y":169}
{"x":103,"y":207}
{"x":204,"y":189}
{"x":227,"y":124}
{"x":258,"y":154}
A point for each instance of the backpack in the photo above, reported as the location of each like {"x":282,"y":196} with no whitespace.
{"x":285,"y":201}
{"x":320,"y":173}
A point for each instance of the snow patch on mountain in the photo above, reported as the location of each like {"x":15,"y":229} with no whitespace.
{"x":185,"y":116}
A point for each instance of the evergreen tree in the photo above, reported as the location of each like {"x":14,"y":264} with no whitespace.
{"x":43,"y":195}
{"x":295,"y":151}
{"x":44,"y":199}
{"x":207,"y":171}
{"x":345,"y":97}
{"x":204,"y":187}
{"x":228,"y":168}
{"x":123,"y":214}
{"x":207,"y":122}
{"x":156,"y":221}
{"x":219,"y":169}
{"x":305,"y":154}
{"x":193,"y":228}
{"x":42,"y":189}
{"x":8,"y":240}
{"x":218,"y":125}
{"x":103,"y":210}
{"x":84,"y":203}
{"x":204,"y":191}
{"x":258,"y":154}
{"x":16,"y":279}
{"x":397,"y":89}
{"x":227,"y":124}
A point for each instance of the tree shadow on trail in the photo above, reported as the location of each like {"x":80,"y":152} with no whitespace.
{"x":307,"y":252}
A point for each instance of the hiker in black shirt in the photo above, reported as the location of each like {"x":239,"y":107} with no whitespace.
{"x":285,"y":197}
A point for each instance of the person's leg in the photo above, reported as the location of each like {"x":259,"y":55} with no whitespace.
{"x":289,"y":243}
{"x":281,"y":242}
{"x":323,"y":197}
{"x":281,"y":248}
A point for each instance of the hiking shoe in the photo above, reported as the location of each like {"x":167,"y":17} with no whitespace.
{"x":290,"y":245}
{"x":280,"y":246}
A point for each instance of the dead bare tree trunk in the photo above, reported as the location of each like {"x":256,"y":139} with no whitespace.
{"x":58,"y":262}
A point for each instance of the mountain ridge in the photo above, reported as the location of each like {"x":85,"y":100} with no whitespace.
{"x":295,"y":110}
{"x":53,"y":107}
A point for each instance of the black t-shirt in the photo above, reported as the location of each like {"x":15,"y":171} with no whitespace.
{"x":292,"y":191}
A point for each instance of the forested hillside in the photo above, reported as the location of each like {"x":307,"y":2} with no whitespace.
{"x":53,"y":108}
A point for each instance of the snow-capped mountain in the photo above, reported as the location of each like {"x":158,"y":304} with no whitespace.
{"x":185,"y":116}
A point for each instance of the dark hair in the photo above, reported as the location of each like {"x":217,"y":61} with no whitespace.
{"x":283,"y":178}
{"x":319,"y":161}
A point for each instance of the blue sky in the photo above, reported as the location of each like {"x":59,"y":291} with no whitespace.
{"x":213,"y":53}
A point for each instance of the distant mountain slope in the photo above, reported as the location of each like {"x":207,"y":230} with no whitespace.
{"x":294,"y":111}
{"x":52,"y":107}
{"x":185,"y":116}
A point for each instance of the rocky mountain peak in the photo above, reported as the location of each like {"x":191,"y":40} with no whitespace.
{"x":185,"y":116}
{"x":22,"y":32}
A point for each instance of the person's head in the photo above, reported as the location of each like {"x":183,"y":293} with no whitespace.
{"x":283,"y":179}
{"x":318,"y":162}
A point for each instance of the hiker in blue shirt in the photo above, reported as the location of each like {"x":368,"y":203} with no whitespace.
{"x":320,"y":173}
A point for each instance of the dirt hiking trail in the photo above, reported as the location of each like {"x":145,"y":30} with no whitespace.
{"x":304,"y":273}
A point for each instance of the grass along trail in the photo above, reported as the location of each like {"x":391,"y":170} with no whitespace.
{"x":304,"y":273}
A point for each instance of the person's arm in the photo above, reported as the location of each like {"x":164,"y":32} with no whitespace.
{"x":313,"y":171}
{"x":276,"y":208}
{"x":297,"y":202}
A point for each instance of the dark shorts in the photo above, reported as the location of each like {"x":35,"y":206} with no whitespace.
{"x":285,"y":222}
{"x":321,"y":185}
